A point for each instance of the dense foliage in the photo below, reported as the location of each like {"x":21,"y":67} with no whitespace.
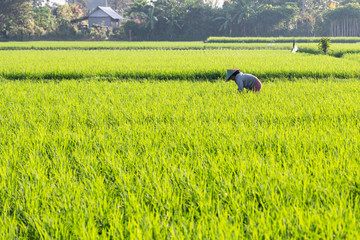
{"x":182,"y":19}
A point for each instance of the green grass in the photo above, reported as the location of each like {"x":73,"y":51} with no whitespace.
{"x":353,"y":57}
{"x":211,"y":43}
{"x":306,"y":45}
{"x":336,"y":49}
{"x":179,"y":159}
{"x":279,"y":39}
{"x":171,"y":64}
{"x":118,"y":153}
{"x":96,"y":45}
{"x":93,"y":45}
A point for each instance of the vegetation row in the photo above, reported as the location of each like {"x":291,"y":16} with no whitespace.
{"x":279,"y":39}
{"x":173,"y":64}
{"x":126,"y":45}
{"x":336,"y":49}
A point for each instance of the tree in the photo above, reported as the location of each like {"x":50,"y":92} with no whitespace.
{"x":80,"y":3}
{"x":63,"y":27}
{"x":197,"y":23}
{"x":16,"y":20}
{"x":141,"y":11}
{"x":343,"y":21}
{"x":39,"y":3}
{"x":273,"y":20}
{"x":43,"y":18}
{"x":227,"y":23}
{"x":236,"y":13}
{"x":171,"y":16}
{"x":324,"y":45}
{"x":9,"y":9}
{"x":212,"y":3}
{"x":119,"y":5}
{"x":170,"y":19}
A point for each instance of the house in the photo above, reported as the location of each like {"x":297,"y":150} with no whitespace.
{"x":104,"y":16}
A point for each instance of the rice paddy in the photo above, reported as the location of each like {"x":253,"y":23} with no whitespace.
{"x":153,"y":144}
{"x":171,"y":64}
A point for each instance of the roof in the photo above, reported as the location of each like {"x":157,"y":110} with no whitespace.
{"x":109,"y":11}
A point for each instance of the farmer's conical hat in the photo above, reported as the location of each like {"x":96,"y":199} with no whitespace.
{"x":229,"y":73}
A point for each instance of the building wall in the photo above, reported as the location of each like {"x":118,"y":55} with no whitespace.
{"x":105,"y":21}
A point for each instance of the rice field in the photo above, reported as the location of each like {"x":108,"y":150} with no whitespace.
{"x":153,"y":144}
{"x":336,"y":49}
{"x":279,"y":39}
{"x":171,"y":64}
{"x":353,"y":57}
{"x":339,"y":46}
{"x":108,"y":45}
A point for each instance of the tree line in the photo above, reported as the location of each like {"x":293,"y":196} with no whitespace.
{"x":181,"y":19}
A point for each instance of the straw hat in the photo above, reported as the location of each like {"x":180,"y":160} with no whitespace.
{"x":230,"y":72}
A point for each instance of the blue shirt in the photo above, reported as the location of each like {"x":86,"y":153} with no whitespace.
{"x":244,"y":80}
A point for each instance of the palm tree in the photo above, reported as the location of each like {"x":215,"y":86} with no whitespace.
{"x":237,"y":12}
{"x":227,"y":23}
{"x":151,"y":19}
{"x":145,"y":10}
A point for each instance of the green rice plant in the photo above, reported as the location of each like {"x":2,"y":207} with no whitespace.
{"x":49,"y":45}
{"x":279,"y":39}
{"x":94,"y":45}
{"x":170,"y":64}
{"x":179,"y":160}
{"x":337,"y":49}
{"x":353,"y":57}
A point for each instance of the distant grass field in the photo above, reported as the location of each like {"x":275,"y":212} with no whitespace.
{"x":309,"y":46}
{"x":108,"y":45}
{"x":339,"y":46}
{"x":179,"y":159}
{"x":279,"y":39}
{"x":336,"y":49}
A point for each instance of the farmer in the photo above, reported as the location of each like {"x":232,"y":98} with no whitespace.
{"x":244,"y":80}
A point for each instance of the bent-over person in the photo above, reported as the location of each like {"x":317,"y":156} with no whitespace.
{"x":244,"y":80}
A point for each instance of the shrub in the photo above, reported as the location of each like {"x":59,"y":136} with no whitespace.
{"x":324,"y":44}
